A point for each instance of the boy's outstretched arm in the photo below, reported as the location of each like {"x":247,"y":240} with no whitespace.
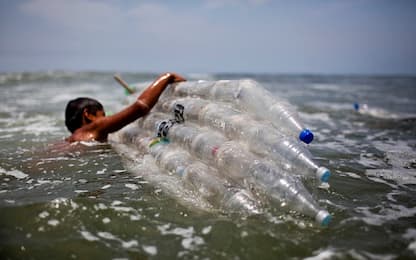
{"x":139,"y":108}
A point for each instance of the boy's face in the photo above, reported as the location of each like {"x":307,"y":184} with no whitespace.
{"x":89,"y":117}
{"x":100,"y":113}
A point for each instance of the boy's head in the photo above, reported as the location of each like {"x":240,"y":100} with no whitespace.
{"x":78,"y":110}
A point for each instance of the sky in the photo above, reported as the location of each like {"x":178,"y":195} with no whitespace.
{"x":209,"y":36}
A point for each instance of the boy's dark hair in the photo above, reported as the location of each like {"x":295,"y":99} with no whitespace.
{"x":74,"y":111}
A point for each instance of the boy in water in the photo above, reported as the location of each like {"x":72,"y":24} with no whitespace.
{"x":85,"y":117}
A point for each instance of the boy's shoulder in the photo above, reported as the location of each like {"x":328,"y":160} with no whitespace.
{"x":86,"y":133}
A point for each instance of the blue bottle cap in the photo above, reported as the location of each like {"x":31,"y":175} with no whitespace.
{"x":306,"y":136}
{"x":323,"y":174}
{"x":325,"y":222}
{"x":356,"y":106}
{"x":323,"y":218}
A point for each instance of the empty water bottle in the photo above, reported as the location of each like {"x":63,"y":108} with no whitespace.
{"x":249,"y":96}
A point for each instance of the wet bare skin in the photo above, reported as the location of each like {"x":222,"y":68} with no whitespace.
{"x":96,"y":127}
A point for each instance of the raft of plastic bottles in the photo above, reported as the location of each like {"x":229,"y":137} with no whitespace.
{"x":234,"y":143}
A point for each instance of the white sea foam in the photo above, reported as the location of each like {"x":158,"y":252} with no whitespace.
{"x":124,"y":244}
{"x":322,"y":254}
{"x":81,"y":191}
{"x":368,"y":160}
{"x":106,"y":186}
{"x":384,"y":214}
{"x":151,"y":250}
{"x":64,"y":202}
{"x":88,"y":236}
{"x":131,"y":186}
{"x":338,"y":146}
{"x":129,"y":244}
{"x":42,"y":182}
{"x":36,"y":125}
{"x":321,"y":119}
{"x":6,"y":136}
{"x":377,"y":112}
{"x":43,"y":214}
{"x":400,"y":157}
{"x":116,"y":203}
{"x":100,"y":206}
{"x":368,"y":255}
{"x":101,"y":171}
{"x":322,"y":105}
{"x":122,"y":209}
{"x":89,"y":143}
{"x":402,"y":176}
{"x":106,"y":235}
{"x":189,"y":241}
{"x":135,"y":217}
{"x":411,"y":235}
{"x":15,"y":173}
{"x":206,"y":230}
{"x":332,"y":253}
{"x":53,"y":222}
{"x":351,"y":175}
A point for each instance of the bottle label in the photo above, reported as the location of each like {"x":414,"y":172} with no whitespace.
{"x":158,"y":140}
{"x":163,"y":126}
{"x":178,"y":113}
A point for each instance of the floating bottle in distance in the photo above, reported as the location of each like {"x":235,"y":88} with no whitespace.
{"x":249,"y":96}
{"x":260,"y":137}
{"x":201,"y":178}
{"x":365,"y":109}
{"x":242,"y":166}
{"x":360,"y":107}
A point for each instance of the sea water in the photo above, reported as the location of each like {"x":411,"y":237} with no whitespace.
{"x":79,"y":201}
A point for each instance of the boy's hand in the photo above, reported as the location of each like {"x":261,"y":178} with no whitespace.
{"x":176,"y":78}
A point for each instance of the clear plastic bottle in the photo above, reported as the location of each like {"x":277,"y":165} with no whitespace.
{"x":260,"y":137}
{"x":277,"y":183}
{"x":144,"y":165}
{"x":242,"y":166}
{"x":200,"y":88}
{"x":200,"y":177}
{"x":230,"y":197}
{"x":249,"y":96}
